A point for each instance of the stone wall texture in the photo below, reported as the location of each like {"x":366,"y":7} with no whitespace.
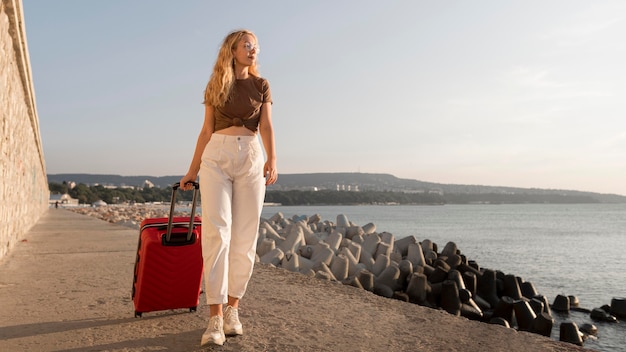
{"x":23,"y":183}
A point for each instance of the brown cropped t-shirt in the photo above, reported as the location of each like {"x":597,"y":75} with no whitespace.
{"x":244,"y":106}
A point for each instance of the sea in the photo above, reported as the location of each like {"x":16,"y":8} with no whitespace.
{"x":572,"y":250}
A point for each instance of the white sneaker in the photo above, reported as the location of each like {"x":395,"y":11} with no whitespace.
{"x":232,"y":325}
{"x":215,"y":332}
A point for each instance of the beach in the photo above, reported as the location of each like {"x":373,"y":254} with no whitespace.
{"x":282,"y":310}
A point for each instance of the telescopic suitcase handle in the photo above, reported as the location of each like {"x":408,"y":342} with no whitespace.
{"x":196,"y":187}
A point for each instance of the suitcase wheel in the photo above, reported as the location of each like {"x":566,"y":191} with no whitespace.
{"x":137,"y":314}
{"x":193,"y":309}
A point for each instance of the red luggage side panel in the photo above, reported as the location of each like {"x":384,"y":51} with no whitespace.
{"x":167,"y":276}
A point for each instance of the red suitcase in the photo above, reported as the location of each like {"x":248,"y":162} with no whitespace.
{"x":168,"y":267}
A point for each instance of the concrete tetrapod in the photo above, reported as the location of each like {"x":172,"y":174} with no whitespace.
{"x":291,"y":262}
{"x":504,"y":309}
{"x":402,"y":245}
{"x":524,"y":315}
{"x":561,"y":304}
{"x":366,"y":278}
{"x":266,"y":245}
{"x":511,"y":287}
{"x":542,"y":324}
{"x":618,"y":307}
{"x":418,"y":288}
{"x":389,"y":277}
{"x":339,"y":267}
{"x":487,"y":287}
{"x":415,"y":254}
{"x":568,"y":332}
{"x":450,"y":300}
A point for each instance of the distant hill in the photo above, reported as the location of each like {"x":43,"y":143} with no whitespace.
{"x":352,"y":181}
{"x":387,"y":182}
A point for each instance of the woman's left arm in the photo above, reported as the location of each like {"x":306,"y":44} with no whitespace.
{"x":267,"y":136}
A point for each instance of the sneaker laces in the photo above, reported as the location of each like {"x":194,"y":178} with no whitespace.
{"x":232,"y":315}
{"x":214,"y":323}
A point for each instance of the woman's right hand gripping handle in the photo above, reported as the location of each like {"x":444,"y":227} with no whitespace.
{"x":186,"y":183}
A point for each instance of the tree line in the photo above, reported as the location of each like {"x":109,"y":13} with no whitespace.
{"x":90,"y":194}
{"x":328,"y":197}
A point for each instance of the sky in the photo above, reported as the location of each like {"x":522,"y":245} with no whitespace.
{"x":525,"y":94}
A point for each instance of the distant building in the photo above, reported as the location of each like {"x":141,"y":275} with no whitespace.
{"x":349,"y":188}
{"x":62,"y":199}
{"x":148,"y":184}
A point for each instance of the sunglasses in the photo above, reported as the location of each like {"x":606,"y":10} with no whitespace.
{"x":249,"y":47}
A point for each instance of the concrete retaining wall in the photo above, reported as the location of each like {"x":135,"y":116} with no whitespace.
{"x":23,"y":183}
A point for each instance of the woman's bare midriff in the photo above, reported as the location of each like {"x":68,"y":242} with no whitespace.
{"x":236,"y":131}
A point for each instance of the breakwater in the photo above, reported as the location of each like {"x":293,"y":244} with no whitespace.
{"x":423,"y":273}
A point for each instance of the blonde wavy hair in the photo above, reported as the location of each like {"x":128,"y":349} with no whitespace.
{"x":222,"y":80}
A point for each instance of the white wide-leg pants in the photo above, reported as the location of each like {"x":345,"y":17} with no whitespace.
{"x":233,"y":190}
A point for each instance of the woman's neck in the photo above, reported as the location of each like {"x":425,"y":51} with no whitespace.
{"x":241,"y":72}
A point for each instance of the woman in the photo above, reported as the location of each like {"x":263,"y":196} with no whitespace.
{"x":229,"y":160}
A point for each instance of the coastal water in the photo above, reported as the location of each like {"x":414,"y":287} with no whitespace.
{"x":562,"y":249}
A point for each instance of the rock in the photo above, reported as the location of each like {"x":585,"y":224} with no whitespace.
{"x":353,"y":231}
{"x":511,"y":287}
{"x":449,"y":249}
{"x":439,"y":275}
{"x":546,"y":304}
{"x":418,"y":288}
{"x":504,"y":309}
{"x":454,"y":261}
{"x":536,"y":305}
{"x":339,"y":267}
{"x":291,"y":262}
{"x":561,"y":304}
{"x":370,"y":244}
{"x":366,"y":278}
{"x":471,"y":311}
{"x":274,"y":257}
{"x":369,"y":228}
{"x":600,"y":314}
{"x":618,"y":307}
{"x":266,"y":245}
{"x":322,"y":269}
{"x":542,"y":324}
{"x":402,"y":245}
{"x":415,"y":254}
{"x":342,"y":221}
{"x":382,"y":262}
{"x":470,"y":281}
{"x":334,"y":240}
{"x":589,"y":329}
{"x":569,"y":333}
{"x":389,"y":277}
{"x":450,"y":300}
{"x":383,"y":290}
{"x":528,"y":290}
{"x":322,"y":254}
{"x":524,"y":315}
